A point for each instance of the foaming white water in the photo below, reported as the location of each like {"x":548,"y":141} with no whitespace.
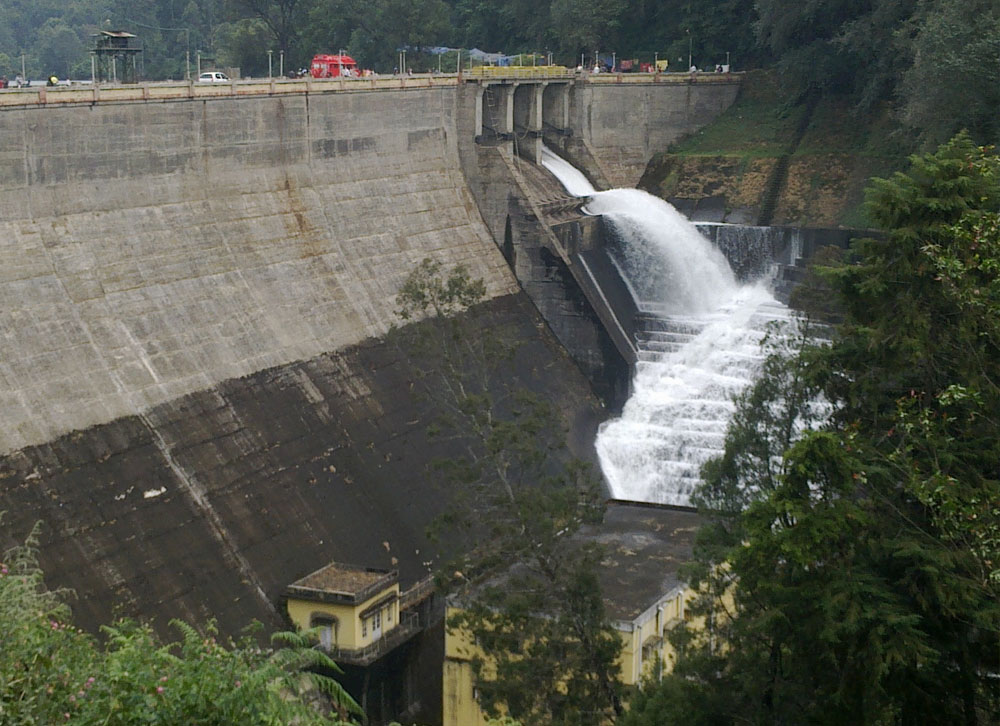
{"x":699,"y":344}
{"x":666,"y":259}
{"x":568,"y":175}
{"x":682,"y":397}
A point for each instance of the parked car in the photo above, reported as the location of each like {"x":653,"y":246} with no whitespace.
{"x":213,"y":77}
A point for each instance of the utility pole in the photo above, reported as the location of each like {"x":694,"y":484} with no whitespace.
{"x":281,"y":63}
{"x":187,"y":54}
{"x":728,"y":67}
{"x":689,"y":49}
{"x":269,"y":52}
{"x":197,"y":57}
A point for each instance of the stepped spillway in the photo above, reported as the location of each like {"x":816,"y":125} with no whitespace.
{"x":698,"y":334}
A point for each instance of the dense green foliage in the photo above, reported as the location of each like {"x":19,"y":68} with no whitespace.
{"x":53,"y":673}
{"x":862,"y":556}
{"x":528,"y":589}
{"x":938,"y":60}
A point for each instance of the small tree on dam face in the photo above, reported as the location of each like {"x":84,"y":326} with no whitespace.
{"x":529,"y":593}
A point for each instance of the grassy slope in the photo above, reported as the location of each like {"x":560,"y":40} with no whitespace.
{"x":733,"y":156}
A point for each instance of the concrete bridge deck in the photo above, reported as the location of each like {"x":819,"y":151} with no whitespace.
{"x":89,"y":94}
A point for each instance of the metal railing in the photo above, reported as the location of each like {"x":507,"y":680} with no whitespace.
{"x":504,"y":72}
{"x":406,"y":628}
{"x":417,"y":594}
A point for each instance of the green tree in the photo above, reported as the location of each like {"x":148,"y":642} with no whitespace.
{"x":585,"y":27}
{"x":528,"y":588}
{"x":861,"y":564}
{"x":952,"y":82}
{"x":59,"y":48}
{"x":241,"y":46}
{"x":285,"y":21}
{"x":52,"y":672}
{"x":840,"y":46}
{"x":373,"y":32}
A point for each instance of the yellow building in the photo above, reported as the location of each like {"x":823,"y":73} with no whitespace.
{"x":376,"y":634}
{"x":645,"y":546}
{"x":356,"y":608}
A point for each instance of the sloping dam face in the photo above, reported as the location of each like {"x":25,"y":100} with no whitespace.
{"x":198,"y":402}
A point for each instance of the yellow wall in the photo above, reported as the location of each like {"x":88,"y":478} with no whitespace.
{"x":652,"y":626}
{"x":349,"y":631}
{"x":460,"y":707}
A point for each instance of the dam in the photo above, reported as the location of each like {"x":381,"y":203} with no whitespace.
{"x":202,"y":402}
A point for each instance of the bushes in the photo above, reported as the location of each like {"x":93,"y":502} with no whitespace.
{"x":52,"y":672}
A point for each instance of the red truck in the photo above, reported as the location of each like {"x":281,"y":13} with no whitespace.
{"x":333,"y":66}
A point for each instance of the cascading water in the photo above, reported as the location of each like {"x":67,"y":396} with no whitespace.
{"x":699,"y":343}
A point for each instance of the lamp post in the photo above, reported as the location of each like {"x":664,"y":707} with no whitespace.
{"x":690,"y":64}
{"x":269,"y":52}
{"x":281,"y":63}
{"x":197,"y":60}
{"x":187,"y":54}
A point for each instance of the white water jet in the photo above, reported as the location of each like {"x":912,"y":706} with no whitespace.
{"x":700,"y":345}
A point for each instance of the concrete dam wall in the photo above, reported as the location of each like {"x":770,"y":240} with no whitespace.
{"x":199,"y":399}
{"x":156,"y":249}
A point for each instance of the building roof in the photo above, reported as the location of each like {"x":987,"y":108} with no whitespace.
{"x":337,"y":582}
{"x":645,"y":546}
{"x":117,"y":34}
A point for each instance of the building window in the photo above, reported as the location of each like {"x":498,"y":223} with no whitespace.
{"x":388,"y":614}
{"x":377,"y":621}
{"x":364,"y":627}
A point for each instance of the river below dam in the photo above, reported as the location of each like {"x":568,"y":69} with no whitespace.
{"x":699,"y":338}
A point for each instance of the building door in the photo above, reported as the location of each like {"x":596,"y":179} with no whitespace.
{"x":377,"y":625}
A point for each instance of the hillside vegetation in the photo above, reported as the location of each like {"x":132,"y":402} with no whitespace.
{"x":934,"y":64}
{"x":734,"y":160}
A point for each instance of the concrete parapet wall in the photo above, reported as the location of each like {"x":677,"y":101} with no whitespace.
{"x":155,"y":249}
{"x":174,"y":90}
{"x":626,"y":119}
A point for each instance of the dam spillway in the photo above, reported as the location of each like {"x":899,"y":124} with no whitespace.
{"x":698,"y":337}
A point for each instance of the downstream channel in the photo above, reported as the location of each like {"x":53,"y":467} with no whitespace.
{"x":698,"y":336}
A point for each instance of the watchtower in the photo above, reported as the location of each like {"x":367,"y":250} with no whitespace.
{"x":114,"y":56}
